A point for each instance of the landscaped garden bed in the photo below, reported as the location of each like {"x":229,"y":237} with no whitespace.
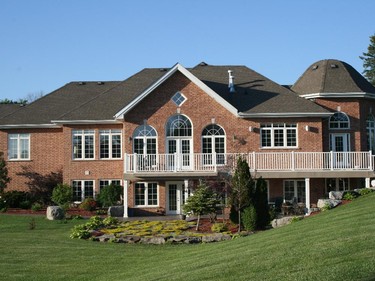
{"x":153,"y":232}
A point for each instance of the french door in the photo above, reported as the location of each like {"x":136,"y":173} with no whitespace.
{"x":182,"y":160}
{"x":175,"y":198}
{"x":340,"y":145}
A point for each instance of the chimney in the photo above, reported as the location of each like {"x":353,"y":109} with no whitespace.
{"x":231,"y":82}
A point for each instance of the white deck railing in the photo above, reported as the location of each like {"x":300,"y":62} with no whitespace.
{"x":258,"y":161}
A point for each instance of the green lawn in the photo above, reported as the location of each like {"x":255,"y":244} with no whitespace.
{"x":336,"y":245}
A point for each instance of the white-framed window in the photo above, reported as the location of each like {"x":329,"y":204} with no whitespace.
{"x":339,"y":120}
{"x":337,"y":184}
{"x":83,"y":144}
{"x":178,"y":126}
{"x":19,"y":146}
{"x":144,"y":140}
{"x":294,"y":190}
{"x":146,"y":194}
{"x":83,"y":189}
{"x":278,"y":135}
{"x":213,"y":140}
{"x":370,"y":129}
{"x":110,"y":144}
{"x":178,"y":98}
{"x":104,"y":183}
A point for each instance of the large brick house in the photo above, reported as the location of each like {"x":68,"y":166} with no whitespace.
{"x":161,"y":130}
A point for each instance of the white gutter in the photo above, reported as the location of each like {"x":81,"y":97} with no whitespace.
{"x":83,"y":122}
{"x":339,"y":95}
{"x":29,"y":126}
{"x":285,"y":114}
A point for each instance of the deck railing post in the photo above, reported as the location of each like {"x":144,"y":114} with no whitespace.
{"x":331,"y":160}
{"x":214,"y":161}
{"x":293,"y":163}
{"x":370,"y":160}
{"x":135,"y":162}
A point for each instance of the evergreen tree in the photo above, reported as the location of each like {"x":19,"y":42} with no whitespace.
{"x":242,"y":188}
{"x":261,"y":204}
{"x":369,"y":61}
{"x":202,"y":202}
{"x":4,"y":179}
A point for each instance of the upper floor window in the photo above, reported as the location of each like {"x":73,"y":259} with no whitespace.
{"x":178,"y":126}
{"x":144,"y":140}
{"x":110,"y":144}
{"x":213,"y":140}
{"x":178,"y":98}
{"x":339,"y":120}
{"x":19,"y":146}
{"x":83,"y":144}
{"x":278,"y":135}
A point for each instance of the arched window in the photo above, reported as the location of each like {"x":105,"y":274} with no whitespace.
{"x":178,"y":126}
{"x":370,"y":128}
{"x":339,"y":120}
{"x":213,"y":141}
{"x":144,"y":138}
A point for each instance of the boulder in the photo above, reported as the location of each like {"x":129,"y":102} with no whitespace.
{"x":331,"y":203}
{"x":153,"y":240}
{"x":335,"y":195}
{"x":281,"y":222}
{"x":55,"y":213}
{"x":217,"y":237}
{"x":116,"y":211}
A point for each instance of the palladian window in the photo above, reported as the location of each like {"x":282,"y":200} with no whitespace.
{"x":339,"y":120}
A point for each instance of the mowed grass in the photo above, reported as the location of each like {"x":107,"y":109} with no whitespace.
{"x":336,"y":245}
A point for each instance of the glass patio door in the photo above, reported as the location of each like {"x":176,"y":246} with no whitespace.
{"x":174,"y":198}
{"x":340,"y":145}
{"x":181,"y":158}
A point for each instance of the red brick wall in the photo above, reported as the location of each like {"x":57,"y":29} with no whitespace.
{"x":46,"y":154}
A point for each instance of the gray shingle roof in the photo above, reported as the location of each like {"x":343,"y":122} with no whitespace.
{"x":331,"y":76}
{"x":108,"y":103}
{"x":57,"y":103}
{"x":6,"y":109}
{"x":255,"y":93}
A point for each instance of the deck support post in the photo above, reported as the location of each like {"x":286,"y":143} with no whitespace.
{"x":125,"y":198}
{"x":307,"y":194}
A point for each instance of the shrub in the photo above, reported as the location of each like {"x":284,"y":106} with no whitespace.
{"x":89,"y":204}
{"x":295,"y":219}
{"x":26,"y":204}
{"x":94,"y":222}
{"x":249,"y":218}
{"x":365,"y":191}
{"x":109,"y":221}
{"x":350,"y":195}
{"x":3,"y":205}
{"x":62,"y":195}
{"x":15,"y":197}
{"x":36,"y":206}
{"x":219,"y":227}
{"x":326,"y":207}
{"x":110,"y":195}
{"x":80,"y":231}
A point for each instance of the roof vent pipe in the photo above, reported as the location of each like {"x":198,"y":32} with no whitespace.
{"x":231,"y":82}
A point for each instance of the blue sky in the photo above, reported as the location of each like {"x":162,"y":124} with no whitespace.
{"x":48,"y":43}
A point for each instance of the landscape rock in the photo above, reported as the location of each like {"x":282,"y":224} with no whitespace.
{"x":336,"y":195}
{"x":178,"y":239}
{"x":281,"y":222}
{"x":217,"y":237}
{"x":156,"y":240}
{"x":106,"y":237}
{"x":116,"y":211}
{"x":131,"y":239}
{"x":55,"y":213}
{"x":331,"y":203}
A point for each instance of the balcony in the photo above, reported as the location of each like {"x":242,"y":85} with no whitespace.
{"x":263,"y":163}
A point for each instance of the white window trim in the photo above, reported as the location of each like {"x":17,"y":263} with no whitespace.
{"x":185,"y":98}
{"x":83,"y":133}
{"x":18,"y":137}
{"x":213,"y":138}
{"x":83,"y":189}
{"x":145,"y":138}
{"x":295,"y":186}
{"x":109,"y":182}
{"x":146,"y":195}
{"x":272,"y":130}
{"x":339,"y":112}
{"x":110,"y":134}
